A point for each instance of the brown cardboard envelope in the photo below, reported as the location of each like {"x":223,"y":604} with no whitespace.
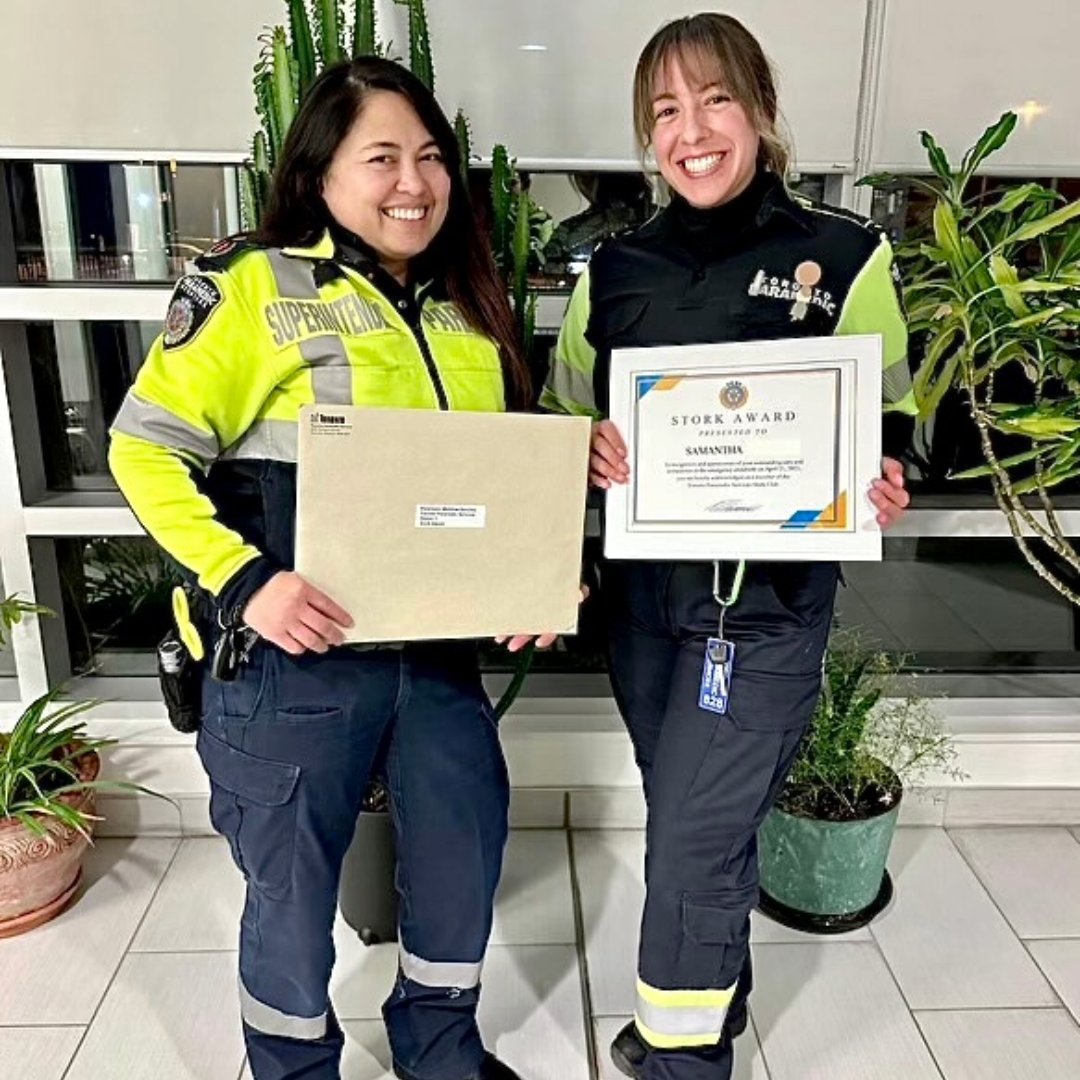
{"x":426,"y":524}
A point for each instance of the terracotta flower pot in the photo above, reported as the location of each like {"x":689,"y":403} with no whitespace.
{"x":39,"y":875}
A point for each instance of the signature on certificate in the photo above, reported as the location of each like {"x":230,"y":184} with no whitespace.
{"x":732,"y":506}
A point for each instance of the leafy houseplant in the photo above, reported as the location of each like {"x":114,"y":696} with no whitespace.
{"x":993,"y":294}
{"x":49,"y":767}
{"x":824,"y":845}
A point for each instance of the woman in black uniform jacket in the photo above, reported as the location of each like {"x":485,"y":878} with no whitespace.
{"x":722,"y":262}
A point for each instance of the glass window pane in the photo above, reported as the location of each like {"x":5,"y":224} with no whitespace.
{"x":79,"y":373}
{"x":101,"y":221}
{"x":961,"y":605}
{"x":950,"y":606}
{"x":114,"y":596}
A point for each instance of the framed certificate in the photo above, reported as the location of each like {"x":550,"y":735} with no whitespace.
{"x":752,"y":450}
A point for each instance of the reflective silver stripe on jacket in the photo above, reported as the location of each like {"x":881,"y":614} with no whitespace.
{"x":896,"y":381}
{"x":331,"y":374}
{"x":442,"y":974}
{"x":270,"y":1021}
{"x":571,"y":385}
{"x":266,"y":440}
{"x":145,"y":420}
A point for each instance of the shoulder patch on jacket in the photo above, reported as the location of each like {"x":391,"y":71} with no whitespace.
{"x":194,"y":300}
{"x":226,"y":251}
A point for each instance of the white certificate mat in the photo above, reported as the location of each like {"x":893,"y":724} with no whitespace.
{"x":749,"y":450}
{"x":426,"y":524}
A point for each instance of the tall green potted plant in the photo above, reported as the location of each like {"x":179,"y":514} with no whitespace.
{"x":992,"y":290}
{"x":823,"y":847}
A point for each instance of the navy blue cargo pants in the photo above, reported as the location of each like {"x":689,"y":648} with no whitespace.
{"x":709,"y":779}
{"x":289,"y":747}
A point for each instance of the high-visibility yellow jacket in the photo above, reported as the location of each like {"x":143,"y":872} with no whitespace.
{"x":204,"y":445}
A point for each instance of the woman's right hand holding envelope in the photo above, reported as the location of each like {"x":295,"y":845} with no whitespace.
{"x":516,"y":642}
{"x":607,"y":456}
{"x":290,"y":612}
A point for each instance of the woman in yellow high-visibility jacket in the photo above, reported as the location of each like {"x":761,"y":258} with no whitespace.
{"x":367,"y":284}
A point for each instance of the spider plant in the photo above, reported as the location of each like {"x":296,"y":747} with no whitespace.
{"x":40,"y":762}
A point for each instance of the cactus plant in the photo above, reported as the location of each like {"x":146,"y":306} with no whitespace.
{"x":520,"y":257}
{"x":502,"y":179}
{"x":420,"y":61}
{"x":303,"y":46}
{"x":328,"y":31}
{"x":463,"y":132}
{"x":365,"y":39}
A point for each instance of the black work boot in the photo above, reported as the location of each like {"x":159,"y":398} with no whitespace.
{"x":628,"y":1048}
{"x":491,"y":1068}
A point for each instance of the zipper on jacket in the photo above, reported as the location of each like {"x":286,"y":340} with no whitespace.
{"x":411,"y":314}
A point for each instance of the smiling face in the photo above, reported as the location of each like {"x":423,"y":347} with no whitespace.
{"x":705,"y":143}
{"x":387,"y":182}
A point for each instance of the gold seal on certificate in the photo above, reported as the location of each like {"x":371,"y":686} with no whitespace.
{"x":756,"y":450}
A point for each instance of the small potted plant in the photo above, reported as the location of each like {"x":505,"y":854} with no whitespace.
{"x":824,"y":845}
{"x":49,"y":774}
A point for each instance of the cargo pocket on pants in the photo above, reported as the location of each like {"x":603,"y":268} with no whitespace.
{"x":721,"y":920}
{"x":770,"y":701}
{"x":252,"y":805}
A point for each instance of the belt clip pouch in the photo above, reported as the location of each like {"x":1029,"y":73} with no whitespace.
{"x":180,"y":676}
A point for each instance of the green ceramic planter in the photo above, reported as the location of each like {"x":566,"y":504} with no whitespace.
{"x":825,"y":876}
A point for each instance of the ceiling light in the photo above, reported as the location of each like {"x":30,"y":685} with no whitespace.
{"x":1030,"y":111}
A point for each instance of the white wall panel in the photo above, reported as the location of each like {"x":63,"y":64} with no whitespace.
{"x":155,"y":75}
{"x":572,"y":101}
{"x":130,"y":74}
{"x":953,"y":67}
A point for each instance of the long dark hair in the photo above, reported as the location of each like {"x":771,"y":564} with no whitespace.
{"x":459,"y":254}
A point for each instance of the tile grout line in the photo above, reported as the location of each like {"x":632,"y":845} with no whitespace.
{"x":990,"y":1009}
{"x":1035,"y":960}
{"x":757,"y":1037}
{"x":876,"y":946}
{"x":40,"y":1027}
{"x":1016,"y":934}
{"x":126,"y":953}
{"x":591,"y":1051}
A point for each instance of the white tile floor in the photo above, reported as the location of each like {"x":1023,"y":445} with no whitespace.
{"x":972,"y":974}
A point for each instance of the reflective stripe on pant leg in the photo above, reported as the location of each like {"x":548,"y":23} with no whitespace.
{"x":673,"y":1018}
{"x":440,"y":974}
{"x":270,"y":1021}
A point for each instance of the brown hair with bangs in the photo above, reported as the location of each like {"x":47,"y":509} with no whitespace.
{"x":714,"y":48}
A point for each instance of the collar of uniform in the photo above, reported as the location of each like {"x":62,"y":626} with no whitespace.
{"x":323,"y":248}
{"x":778,"y":200}
{"x":709,"y":231}
{"x":351,"y":251}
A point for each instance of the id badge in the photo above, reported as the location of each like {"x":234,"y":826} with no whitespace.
{"x":716,"y":675}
